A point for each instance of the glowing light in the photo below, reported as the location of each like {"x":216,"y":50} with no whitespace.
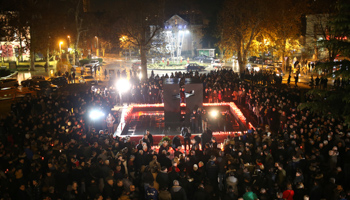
{"x":140,"y":75}
{"x":96,"y":114}
{"x":123,"y":85}
{"x":214,"y":113}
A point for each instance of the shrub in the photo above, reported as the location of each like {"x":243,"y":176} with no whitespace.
{"x":166,"y":138}
{"x":87,"y":61}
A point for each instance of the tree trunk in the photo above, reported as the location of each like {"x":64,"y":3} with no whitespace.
{"x":32,"y":53}
{"x":32,"y":60}
{"x":47,"y":59}
{"x":76,"y":48}
{"x":143,"y":63}
{"x":78,"y":23}
{"x":283,"y":55}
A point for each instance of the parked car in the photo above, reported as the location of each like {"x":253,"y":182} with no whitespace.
{"x":44,"y":86}
{"x":88,"y":79}
{"x":217,"y":63}
{"x":8,"y":83}
{"x":30,"y":81}
{"x":273,"y":69}
{"x":203,"y":59}
{"x":59,"y":81}
{"x":194,"y":67}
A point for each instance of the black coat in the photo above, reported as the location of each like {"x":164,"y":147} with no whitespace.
{"x":162,"y":179}
{"x":108,"y":191}
{"x":178,"y":193}
{"x":200,"y":194}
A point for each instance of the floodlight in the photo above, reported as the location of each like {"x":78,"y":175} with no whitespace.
{"x":123,"y":85}
{"x":140,"y":75}
{"x":214,"y":113}
{"x":96,"y":114}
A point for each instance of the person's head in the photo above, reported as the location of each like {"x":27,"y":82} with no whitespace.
{"x":195,"y":167}
{"x":22,"y":187}
{"x":110,"y":181}
{"x":132,"y":188}
{"x":119,"y":183}
{"x":279,"y":195}
{"x":200,"y":164}
{"x":213,"y":158}
{"x":176,"y":183}
{"x":164,"y":169}
{"x":248,"y":189}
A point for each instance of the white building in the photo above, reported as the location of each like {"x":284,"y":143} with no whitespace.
{"x":182,"y":38}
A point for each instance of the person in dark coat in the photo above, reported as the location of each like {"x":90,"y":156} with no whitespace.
{"x":176,"y":142}
{"x":316,"y":192}
{"x":151,"y":193}
{"x":162,"y":177}
{"x":93,"y":190}
{"x":187,"y":137}
{"x":22,"y":194}
{"x":150,"y":137}
{"x":200,"y":194}
{"x":108,"y":189}
{"x":212,"y":169}
{"x":177,"y":192}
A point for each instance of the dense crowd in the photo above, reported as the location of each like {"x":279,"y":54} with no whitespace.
{"x":50,"y":150}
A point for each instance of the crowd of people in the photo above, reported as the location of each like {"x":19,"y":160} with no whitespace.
{"x":50,"y":149}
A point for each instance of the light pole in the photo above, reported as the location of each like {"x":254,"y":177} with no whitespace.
{"x":61,"y":49}
{"x":68,"y":40}
{"x":97,"y":53}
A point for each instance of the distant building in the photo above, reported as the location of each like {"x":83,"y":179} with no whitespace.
{"x":181,"y":37}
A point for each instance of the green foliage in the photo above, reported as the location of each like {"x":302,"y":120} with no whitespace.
{"x":166,"y":138}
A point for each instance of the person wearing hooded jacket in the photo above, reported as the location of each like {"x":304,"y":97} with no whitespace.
{"x":177,"y":192}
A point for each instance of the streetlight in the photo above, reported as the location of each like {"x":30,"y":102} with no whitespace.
{"x":68,"y":40}
{"x":61,"y":49}
{"x":97,"y":46}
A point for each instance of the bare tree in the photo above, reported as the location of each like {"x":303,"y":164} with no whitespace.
{"x":141,"y":22}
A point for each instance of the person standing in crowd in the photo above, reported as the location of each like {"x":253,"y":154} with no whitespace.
{"x":296,"y":78}
{"x":110,"y":123}
{"x":194,"y":121}
{"x":150,"y":137}
{"x":177,"y":192}
{"x":187,"y":136}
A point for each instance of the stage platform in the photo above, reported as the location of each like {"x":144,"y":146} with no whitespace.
{"x":137,"y":118}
